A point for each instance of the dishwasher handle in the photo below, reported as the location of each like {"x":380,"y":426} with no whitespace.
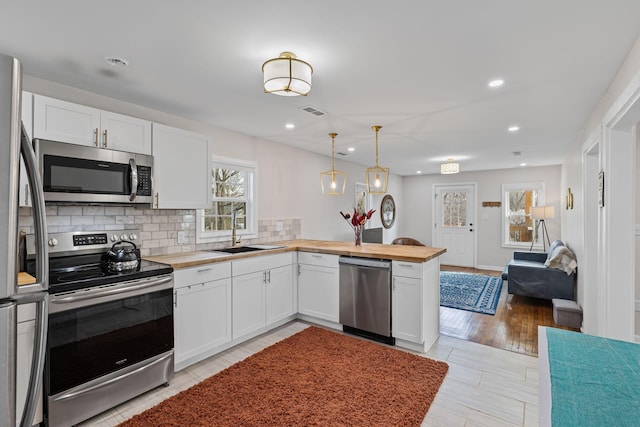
{"x":364,"y":262}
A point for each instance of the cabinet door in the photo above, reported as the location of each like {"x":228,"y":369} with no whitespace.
{"x":65,"y":122}
{"x":406,"y":309}
{"x":248,"y":303}
{"x":318,"y":292}
{"x":27,"y":121}
{"x":125,"y":133}
{"x":202,"y":318}
{"x":182,"y":179}
{"x":279,"y":293}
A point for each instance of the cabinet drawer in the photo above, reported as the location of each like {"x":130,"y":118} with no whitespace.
{"x":407,"y":269}
{"x":260,"y":263}
{"x":201,"y":274}
{"x":321,"y":260}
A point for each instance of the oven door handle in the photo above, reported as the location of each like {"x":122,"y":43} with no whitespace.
{"x":134,"y":179}
{"x":102,"y":292}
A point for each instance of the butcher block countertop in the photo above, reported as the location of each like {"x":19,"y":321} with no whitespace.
{"x":367,"y":250}
{"x":25,"y":278}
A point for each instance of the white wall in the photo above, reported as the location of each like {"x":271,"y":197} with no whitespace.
{"x":418,"y":203}
{"x":611,"y":321}
{"x":289,"y":178}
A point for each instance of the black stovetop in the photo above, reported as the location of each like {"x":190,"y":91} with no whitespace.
{"x":86,"y":271}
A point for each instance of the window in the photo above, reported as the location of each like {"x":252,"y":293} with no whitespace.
{"x":454,"y":209}
{"x":518,"y":228}
{"x":233,"y":191}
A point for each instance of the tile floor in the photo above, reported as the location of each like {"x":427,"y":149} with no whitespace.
{"x":485,"y":386}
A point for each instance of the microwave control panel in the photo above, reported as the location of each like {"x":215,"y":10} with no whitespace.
{"x":144,"y":181}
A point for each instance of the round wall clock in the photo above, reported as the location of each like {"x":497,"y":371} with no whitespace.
{"x":387,"y":211}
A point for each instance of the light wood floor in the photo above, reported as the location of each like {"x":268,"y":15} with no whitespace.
{"x":514,"y":326}
{"x":484,"y":386}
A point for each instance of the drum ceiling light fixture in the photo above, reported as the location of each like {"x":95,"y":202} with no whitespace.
{"x":449,"y":167}
{"x":287,"y":75}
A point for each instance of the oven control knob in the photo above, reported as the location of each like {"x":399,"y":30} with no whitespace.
{"x":133,"y":236}
{"x":114,"y":237}
{"x":53,"y":241}
{"x":123,"y":237}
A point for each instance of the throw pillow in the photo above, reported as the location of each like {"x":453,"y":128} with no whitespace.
{"x":563,"y":259}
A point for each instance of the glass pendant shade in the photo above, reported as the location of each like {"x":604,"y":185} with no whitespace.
{"x":450,"y":167}
{"x":333,"y":182}
{"x":287,"y":76}
{"x":377,"y":176}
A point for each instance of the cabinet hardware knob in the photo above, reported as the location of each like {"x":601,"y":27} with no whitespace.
{"x":105,"y":138}
{"x":96,"y":136}
{"x":157,"y":200}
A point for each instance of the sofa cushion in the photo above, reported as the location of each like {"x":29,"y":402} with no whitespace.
{"x":562,"y":258}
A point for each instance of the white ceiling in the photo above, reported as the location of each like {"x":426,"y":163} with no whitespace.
{"x":419,"y":68}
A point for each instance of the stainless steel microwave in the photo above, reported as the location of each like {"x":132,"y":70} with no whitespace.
{"x":82,"y":174}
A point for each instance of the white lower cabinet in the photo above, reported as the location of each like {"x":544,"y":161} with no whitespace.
{"x":406,"y":306}
{"x":262,"y":292}
{"x":248,"y":303}
{"x":202,"y":312}
{"x":318,"y":286}
{"x":25,"y":337}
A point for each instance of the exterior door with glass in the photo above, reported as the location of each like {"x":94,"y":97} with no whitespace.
{"x":454,"y":223}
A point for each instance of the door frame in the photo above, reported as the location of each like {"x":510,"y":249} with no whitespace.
{"x":434,"y":205}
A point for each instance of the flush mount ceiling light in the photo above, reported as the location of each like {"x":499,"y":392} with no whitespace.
{"x":449,"y":167}
{"x":287,"y":75}
{"x":514,"y":128}
{"x":496,"y":83}
{"x":377,"y":176}
{"x":333,"y":182}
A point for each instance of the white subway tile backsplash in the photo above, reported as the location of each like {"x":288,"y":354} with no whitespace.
{"x":158,"y":228}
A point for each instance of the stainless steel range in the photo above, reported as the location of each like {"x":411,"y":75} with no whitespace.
{"x":110,"y":323}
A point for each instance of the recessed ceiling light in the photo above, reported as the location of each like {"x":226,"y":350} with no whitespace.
{"x":351,"y":149}
{"x":523,"y":164}
{"x":418,"y":172}
{"x":116,"y":62}
{"x":496,"y":83}
{"x":514,"y":128}
{"x":290,"y":126}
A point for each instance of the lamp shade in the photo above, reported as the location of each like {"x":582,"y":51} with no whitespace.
{"x":333,"y":182}
{"x":377,"y":176}
{"x":287,"y":75}
{"x":542,"y":212}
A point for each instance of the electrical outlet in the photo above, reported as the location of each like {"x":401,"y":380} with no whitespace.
{"x":182,"y":237}
{"x":279,"y":226}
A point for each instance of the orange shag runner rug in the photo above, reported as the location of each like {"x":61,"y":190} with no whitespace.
{"x":313,"y":378}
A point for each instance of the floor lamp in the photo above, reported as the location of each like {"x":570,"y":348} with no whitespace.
{"x":541,"y":213}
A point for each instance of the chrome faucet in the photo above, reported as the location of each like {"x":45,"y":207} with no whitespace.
{"x":234,"y":240}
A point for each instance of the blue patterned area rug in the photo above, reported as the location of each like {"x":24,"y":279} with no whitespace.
{"x":471,"y":292}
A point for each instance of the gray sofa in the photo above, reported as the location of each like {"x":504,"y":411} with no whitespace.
{"x":527,"y":275}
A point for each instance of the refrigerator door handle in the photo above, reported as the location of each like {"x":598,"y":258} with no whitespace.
{"x":39,"y":219}
{"x":42,"y":276}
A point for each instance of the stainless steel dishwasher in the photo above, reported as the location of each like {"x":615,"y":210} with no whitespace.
{"x":365,"y":297}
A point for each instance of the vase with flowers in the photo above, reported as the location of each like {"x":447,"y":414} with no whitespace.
{"x":357,"y":222}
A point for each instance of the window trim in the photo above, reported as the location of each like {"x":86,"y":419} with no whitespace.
{"x":540,"y":187}
{"x":251,"y":232}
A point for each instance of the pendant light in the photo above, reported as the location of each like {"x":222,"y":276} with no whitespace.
{"x":377,"y":176}
{"x":333,"y":182}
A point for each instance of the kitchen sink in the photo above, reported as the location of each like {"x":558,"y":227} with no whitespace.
{"x":248,"y":248}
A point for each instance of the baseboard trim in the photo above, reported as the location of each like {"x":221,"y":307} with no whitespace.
{"x":489,"y":267}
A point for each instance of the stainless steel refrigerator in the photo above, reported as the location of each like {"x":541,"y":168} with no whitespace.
{"x":13,"y":144}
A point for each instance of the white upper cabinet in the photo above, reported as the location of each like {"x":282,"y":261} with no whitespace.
{"x":125,"y":133}
{"x":182,"y":179}
{"x":64,"y":121}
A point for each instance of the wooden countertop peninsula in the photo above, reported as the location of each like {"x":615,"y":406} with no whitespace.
{"x":367,"y":250}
